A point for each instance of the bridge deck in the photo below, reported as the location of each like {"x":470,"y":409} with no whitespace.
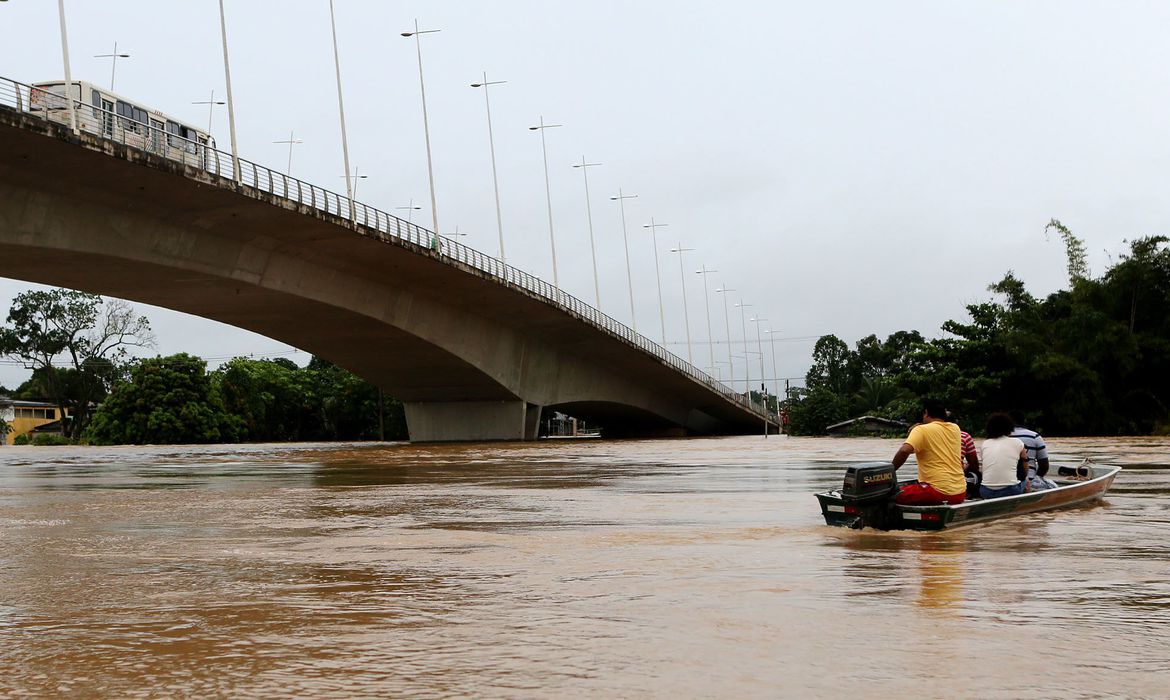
{"x":451,"y":332}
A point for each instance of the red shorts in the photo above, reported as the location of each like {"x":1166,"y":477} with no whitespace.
{"x":919,"y":494}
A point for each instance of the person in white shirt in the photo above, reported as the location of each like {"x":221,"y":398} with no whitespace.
{"x":1005,"y":459}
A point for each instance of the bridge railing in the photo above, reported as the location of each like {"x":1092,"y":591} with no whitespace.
{"x":121,"y":129}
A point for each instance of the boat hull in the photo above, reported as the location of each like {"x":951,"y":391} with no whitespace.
{"x":888,"y":516}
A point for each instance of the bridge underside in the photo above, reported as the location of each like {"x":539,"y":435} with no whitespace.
{"x":471,"y":357}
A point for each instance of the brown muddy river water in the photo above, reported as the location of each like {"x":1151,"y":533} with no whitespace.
{"x":673,"y":568}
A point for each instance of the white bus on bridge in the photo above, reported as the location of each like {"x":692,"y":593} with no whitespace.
{"x":102,"y":112}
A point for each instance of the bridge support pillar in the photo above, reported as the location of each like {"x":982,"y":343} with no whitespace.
{"x":531,"y":421}
{"x":471,"y":421}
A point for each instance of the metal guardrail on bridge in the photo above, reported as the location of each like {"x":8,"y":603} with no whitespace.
{"x":125,"y":130}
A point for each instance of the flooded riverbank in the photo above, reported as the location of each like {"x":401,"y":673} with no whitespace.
{"x":690,"y":568}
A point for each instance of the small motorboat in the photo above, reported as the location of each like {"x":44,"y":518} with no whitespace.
{"x":866,"y":499}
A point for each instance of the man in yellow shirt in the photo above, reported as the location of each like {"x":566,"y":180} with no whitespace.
{"x":937,"y":446}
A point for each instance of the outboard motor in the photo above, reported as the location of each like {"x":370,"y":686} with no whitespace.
{"x":869,"y":482}
{"x":864,"y":498}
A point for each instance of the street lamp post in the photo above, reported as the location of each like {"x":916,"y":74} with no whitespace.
{"x":291,"y":141}
{"x":747,"y":360}
{"x":707,"y":302}
{"x":686,"y":314}
{"x":354,"y":178}
{"x":113,"y":61}
{"x":454,"y":236}
{"x":69,"y":106}
{"x":410,"y":209}
{"x":584,"y":165}
{"x":760,"y":348}
{"x":621,"y":199}
{"x":727,"y":324}
{"x":227,"y":74}
{"x":211,"y":102}
{"x":548,"y":196}
{"x":775,"y":372}
{"x":763,"y":388}
{"x":426,"y":126}
{"x":492,"y":145}
{"x":657,"y":274}
{"x":349,"y":185}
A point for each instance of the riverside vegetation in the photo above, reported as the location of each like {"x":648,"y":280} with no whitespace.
{"x":115,"y":399}
{"x":1090,"y":359}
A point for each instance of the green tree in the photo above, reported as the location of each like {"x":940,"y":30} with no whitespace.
{"x":277,"y":401}
{"x":869,"y":358}
{"x":1074,"y":248}
{"x":876,"y":397}
{"x":167,"y":400}
{"x":832,"y":365}
{"x":1090,"y":359}
{"x":810,"y":411}
{"x":274,"y":399}
{"x":349,"y":406}
{"x":1141,"y":282}
{"x":89,"y":335}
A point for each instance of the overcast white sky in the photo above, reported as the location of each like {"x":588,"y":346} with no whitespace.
{"x":848,"y":167}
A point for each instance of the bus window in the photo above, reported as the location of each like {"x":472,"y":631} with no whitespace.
{"x":179,"y":136}
{"x":192,"y":137}
{"x":107,"y":118}
{"x":156,"y":134}
{"x":131,"y":116}
{"x":125,"y":111}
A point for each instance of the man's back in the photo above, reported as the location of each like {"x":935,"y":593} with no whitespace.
{"x":1033,"y":443}
{"x":937,"y":448}
{"x":1037,"y":457}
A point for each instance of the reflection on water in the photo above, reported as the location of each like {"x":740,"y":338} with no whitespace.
{"x":940,"y":580}
{"x":639,"y":568}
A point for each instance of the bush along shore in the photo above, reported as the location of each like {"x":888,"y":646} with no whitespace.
{"x":1090,"y":359}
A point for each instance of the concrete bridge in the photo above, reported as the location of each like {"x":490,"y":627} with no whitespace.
{"x":475,"y":349}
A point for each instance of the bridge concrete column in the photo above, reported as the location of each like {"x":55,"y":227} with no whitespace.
{"x":532,"y":421}
{"x":471,"y":421}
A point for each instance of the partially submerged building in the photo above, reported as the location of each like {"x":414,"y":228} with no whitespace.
{"x":867,"y":425}
{"x":23,"y":417}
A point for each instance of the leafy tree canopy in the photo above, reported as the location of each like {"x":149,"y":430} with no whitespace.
{"x":87,"y":334}
{"x":1091,"y":359}
{"x":173,"y":399}
{"x":167,"y":400}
